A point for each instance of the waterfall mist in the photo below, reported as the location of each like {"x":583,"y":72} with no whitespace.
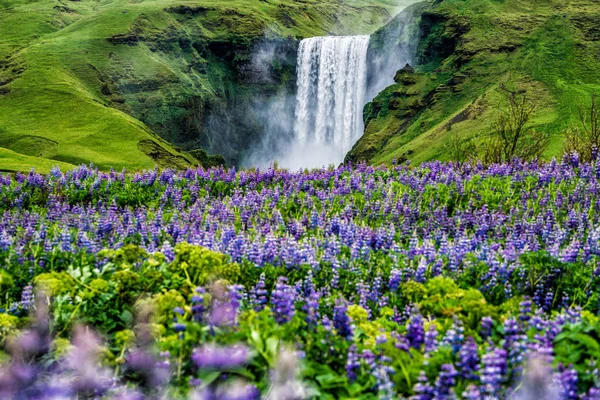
{"x":391,"y":49}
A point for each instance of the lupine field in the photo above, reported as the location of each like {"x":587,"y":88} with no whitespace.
{"x":434,"y":282}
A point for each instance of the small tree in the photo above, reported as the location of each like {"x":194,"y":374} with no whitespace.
{"x":462,"y":150}
{"x":512,"y":135}
{"x":585,"y":138}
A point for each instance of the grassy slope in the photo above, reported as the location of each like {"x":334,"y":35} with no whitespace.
{"x":54,"y":56}
{"x":551,"y":48}
{"x":15,"y":162}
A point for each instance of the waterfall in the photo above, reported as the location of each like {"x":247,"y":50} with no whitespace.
{"x":319,"y":124}
{"x":331,"y":81}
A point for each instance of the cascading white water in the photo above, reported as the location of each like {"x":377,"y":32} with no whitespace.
{"x":319,"y":125}
{"x":331,"y":80}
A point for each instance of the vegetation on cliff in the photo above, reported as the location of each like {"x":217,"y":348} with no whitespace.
{"x":466,"y":51}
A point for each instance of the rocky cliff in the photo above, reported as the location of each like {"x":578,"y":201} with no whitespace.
{"x":465,"y":50}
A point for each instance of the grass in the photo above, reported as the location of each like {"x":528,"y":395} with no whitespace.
{"x":56,"y":65}
{"x":15,"y":162}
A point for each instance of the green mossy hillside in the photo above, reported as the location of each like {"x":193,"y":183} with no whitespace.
{"x":106,"y":81}
{"x":467,"y":49}
{"x":15,"y":162}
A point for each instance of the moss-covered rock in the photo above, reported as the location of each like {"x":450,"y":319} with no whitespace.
{"x":206,"y":160}
{"x":393,"y":110}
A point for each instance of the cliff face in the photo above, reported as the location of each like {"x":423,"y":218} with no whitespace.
{"x":134,"y":83}
{"x":465,"y":51}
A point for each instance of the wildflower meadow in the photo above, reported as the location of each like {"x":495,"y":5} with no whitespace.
{"x":441,"y":281}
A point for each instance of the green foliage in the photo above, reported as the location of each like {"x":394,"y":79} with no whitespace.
{"x":54,"y":283}
{"x":512,"y":135}
{"x":6,"y":281}
{"x":124,"y":338}
{"x":9,"y":325}
{"x":130,"y":279}
{"x":60,"y":347}
{"x":165,"y":304}
{"x":206,"y":160}
{"x":579,"y":345}
{"x":584,"y":138}
{"x":442,"y":286}
{"x":413,"y":291}
{"x":200,"y":265}
{"x":445,"y":299}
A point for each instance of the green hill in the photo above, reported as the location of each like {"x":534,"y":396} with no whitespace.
{"x":467,"y":48}
{"x":105,"y":81}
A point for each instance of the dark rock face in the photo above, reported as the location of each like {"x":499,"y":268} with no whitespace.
{"x":128,"y":39}
{"x":206,"y":160}
{"x":188,"y":10}
{"x":439,"y":37}
{"x":405,"y":76}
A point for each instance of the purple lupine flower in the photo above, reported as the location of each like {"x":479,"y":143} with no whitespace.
{"x":236,"y":295}
{"x":525,"y":312}
{"x":352,"y":363}
{"x":178,"y":310}
{"x":468,"y":360}
{"x":312,"y":309}
{"x":341,"y":320}
{"x":198,"y":304}
{"x":260,"y":292}
{"x":282,"y":299}
{"x":167,"y":251}
{"x":384,"y":386}
{"x":493,"y":371}
{"x":431,"y":342}
{"x":400,"y":342}
{"x":27,"y":298}
{"x":423,"y":389}
{"x":486,"y":327}
{"x":381,"y":339}
{"x":455,"y":336}
{"x":471,"y":393}
{"x":415,"y":332}
{"x":444,"y":384}
{"x":514,"y":343}
{"x":567,"y":379}
{"x":395,"y":279}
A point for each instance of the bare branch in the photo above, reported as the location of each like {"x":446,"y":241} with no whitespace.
{"x":512,"y":136}
{"x":585,"y":138}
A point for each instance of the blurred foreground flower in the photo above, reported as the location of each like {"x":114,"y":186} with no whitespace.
{"x":537,"y":381}
{"x":216,"y":357}
{"x":286,"y":383}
